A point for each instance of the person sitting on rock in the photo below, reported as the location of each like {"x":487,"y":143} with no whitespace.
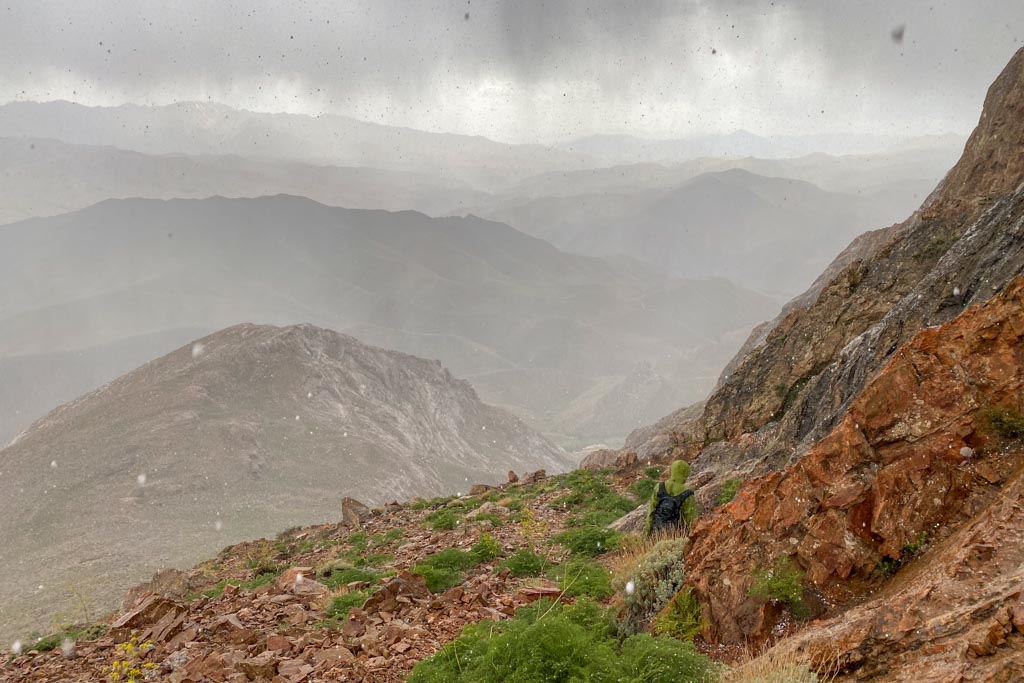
{"x":672,"y":504}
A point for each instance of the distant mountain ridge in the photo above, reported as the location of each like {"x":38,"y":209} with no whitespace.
{"x":45,"y":177}
{"x":206,"y":128}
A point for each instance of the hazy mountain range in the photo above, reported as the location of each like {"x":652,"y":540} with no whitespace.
{"x":770,"y":234}
{"x":516,"y":316}
{"x":613,"y":150}
{"x":206,"y":128}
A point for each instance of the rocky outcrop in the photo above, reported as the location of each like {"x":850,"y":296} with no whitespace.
{"x":955,"y":614}
{"x":917,"y":456}
{"x":959,"y":249}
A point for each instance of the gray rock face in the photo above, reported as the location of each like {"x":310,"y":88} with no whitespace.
{"x":241,"y":434}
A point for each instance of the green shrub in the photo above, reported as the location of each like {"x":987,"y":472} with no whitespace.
{"x":486,"y":548}
{"x":524,"y":562}
{"x":336,"y":577}
{"x":343,"y":604}
{"x":1006,"y":422}
{"x":439,"y":579}
{"x":589,"y":540}
{"x":653,"y":473}
{"x":444,"y":569}
{"x":583,"y":577}
{"x":728,"y":491}
{"x":495,"y":520}
{"x":642,"y":489}
{"x":451,"y":558}
{"x":72,"y":633}
{"x":680,"y":618}
{"x":657,"y":578}
{"x":442,"y":520}
{"x":359,"y":540}
{"x":560,"y":644}
{"x":665,"y":660}
{"x":783,"y":584}
{"x":888,"y":566}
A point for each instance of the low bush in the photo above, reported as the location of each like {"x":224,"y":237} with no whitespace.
{"x":590,"y":541}
{"x":524,"y":562}
{"x":657,"y":576}
{"x":783,"y":584}
{"x":642,"y":489}
{"x":335,"y":577}
{"x":680,"y":618}
{"x":342,"y":604}
{"x":1007,"y":423}
{"x":558,"y":644}
{"x":442,"y":520}
{"x":444,"y":569}
{"x":486,"y":548}
{"x":263,"y":579}
{"x":494,"y":519}
{"x":590,"y":492}
{"x":72,"y":633}
{"x":728,"y":491}
{"x":439,"y":579}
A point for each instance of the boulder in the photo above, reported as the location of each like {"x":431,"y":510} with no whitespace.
{"x":354,"y":513}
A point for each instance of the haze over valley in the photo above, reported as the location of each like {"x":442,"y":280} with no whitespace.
{"x":448,"y":341}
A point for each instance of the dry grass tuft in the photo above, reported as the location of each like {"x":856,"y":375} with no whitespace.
{"x":779,"y":665}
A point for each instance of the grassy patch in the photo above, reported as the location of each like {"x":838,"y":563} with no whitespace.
{"x":583,"y":577}
{"x":589,"y":541}
{"x":589,"y":491}
{"x":263,"y":579}
{"x":444,"y":569}
{"x":556,"y":643}
{"x":442,"y":520}
{"x":524,"y":562}
{"x":72,"y":633}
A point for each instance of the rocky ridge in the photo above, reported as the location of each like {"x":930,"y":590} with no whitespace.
{"x":919,"y":457}
{"x":798,"y":375}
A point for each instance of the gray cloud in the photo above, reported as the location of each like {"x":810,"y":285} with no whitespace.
{"x":527,"y":70}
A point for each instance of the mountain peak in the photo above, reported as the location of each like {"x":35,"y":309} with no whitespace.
{"x":992,"y":164}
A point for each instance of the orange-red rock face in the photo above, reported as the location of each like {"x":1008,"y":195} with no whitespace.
{"x":893,"y":468}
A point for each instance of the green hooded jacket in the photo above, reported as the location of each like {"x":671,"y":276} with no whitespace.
{"x":674,"y":485}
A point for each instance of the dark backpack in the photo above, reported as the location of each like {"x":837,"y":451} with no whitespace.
{"x":668,"y":509}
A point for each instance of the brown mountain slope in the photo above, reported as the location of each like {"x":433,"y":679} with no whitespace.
{"x":243,"y":433}
{"x":960,"y":248}
{"x":929,"y":453}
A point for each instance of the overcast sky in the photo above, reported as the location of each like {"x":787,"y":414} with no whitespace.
{"x":527,"y":70}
